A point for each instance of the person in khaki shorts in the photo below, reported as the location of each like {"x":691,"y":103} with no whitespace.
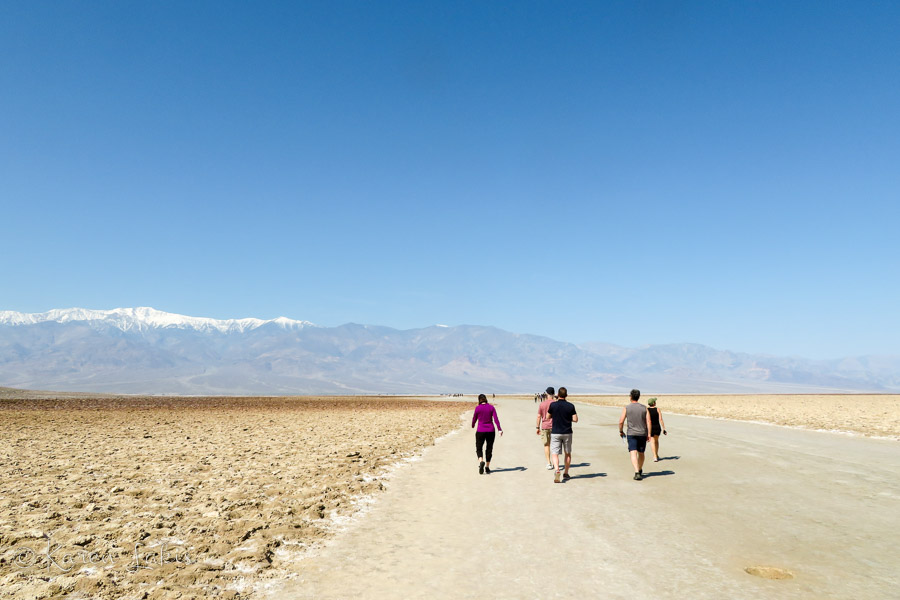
{"x":563,"y":414}
{"x":544,"y":423}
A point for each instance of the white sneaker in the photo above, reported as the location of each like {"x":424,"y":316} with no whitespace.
{"x":549,"y":467}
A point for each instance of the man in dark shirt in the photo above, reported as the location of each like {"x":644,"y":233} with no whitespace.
{"x":563,"y":414}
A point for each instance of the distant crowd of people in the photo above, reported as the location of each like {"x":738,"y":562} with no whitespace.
{"x":638,"y":425}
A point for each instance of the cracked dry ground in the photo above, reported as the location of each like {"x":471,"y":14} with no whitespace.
{"x":188,"y":497}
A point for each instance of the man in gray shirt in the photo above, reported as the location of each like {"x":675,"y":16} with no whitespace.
{"x":638,"y":432}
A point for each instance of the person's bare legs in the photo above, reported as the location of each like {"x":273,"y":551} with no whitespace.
{"x":634,"y":460}
{"x":555,"y":458}
{"x":640,"y":461}
{"x":568,"y":461}
{"x":547,"y":453}
{"x":654,"y":445}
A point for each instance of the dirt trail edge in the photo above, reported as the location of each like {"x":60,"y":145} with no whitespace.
{"x":817,"y":507}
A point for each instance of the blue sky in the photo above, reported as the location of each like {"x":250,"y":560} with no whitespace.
{"x":726,"y":173}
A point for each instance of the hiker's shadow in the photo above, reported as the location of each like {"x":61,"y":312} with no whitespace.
{"x":509,"y":469}
{"x":573,"y":465}
{"x":658,"y":474}
{"x":662,"y":458}
{"x":588,"y":475}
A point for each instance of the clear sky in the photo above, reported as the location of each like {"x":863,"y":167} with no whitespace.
{"x":726,"y":173}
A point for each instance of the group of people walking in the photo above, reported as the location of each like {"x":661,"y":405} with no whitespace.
{"x":555,"y":417}
{"x":638,"y":425}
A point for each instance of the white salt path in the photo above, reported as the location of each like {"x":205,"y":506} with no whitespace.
{"x":730,"y":496}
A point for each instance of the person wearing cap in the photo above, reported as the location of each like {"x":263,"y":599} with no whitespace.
{"x":657,"y":426}
{"x":544,"y":423}
{"x":638,"y":432}
{"x":563,"y":414}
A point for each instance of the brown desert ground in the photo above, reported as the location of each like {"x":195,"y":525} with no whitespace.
{"x":123,"y":497}
{"x":868,"y":414}
{"x":162,"y":497}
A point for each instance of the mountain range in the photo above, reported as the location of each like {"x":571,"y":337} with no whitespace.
{"x":146,"y":351}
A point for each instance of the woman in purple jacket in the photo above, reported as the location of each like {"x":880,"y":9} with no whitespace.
{"x":485,"y":415}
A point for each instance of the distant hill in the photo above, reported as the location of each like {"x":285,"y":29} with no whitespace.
{"x":141,"y":350}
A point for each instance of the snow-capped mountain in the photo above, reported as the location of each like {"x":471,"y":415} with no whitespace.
{"x":142,"y":318}
{"x":142,"y":350}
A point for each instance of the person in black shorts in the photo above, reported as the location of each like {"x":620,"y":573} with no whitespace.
{"x":638,"y":432}
{"x":657,"y":426}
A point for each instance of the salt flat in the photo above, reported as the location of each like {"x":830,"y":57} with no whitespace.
{"x":729,"y":496}
{"x":874,"y":415}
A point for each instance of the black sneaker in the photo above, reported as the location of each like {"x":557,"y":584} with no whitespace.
{"x":638,"y":476}
{"x":641,"y":472}
{"x":566,"y":476}
{"x":481,"y":468}
{"x":487,"y":470}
